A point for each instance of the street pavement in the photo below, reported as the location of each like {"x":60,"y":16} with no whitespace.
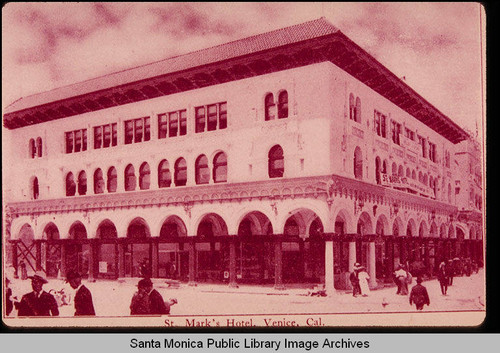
{"x":112,"y":298}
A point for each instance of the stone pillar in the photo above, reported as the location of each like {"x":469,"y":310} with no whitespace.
{"x":352,"y":255}
{"x":372,"y":270}
{"x":329,"y":268}
{"x":121,"y":259}
{"x":278,"y":263}
{"x":15,"y":258}
{"x":62,"y":267}
{"x":192,"y":268}
{"x":154,"y":259}
{"x":232,"y":263}
{"x":91,"y":260}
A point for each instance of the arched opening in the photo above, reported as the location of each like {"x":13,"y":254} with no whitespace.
{"x":138,"y":250}
{"x":98,"y":181}
{"x":270,"y":113}
{"x":52,"y":254}
{"x":77,"y":250}
{"x":357,"y":115}
{"x":32,"y":148}
{"x":173,"y":252}
{"x":70,"y":185}
{"x":107,"y":252}
{"x":112,"y":179}
{"x":202,"y":171}
{"x":255,"y":249}
{"x":35,"y":189}
{"x":25,"y":251}
{"x":180,"y":174}
{"x":82,"y":183}
{"x":39,"y":146}
{"x":220,"y":168}
{"x":164,"y":175}
{"x":212,"y":254}
{"x":144,"y":176}
{"x":283,"y":105}
{"x":377,"y":170}
{"x":130,"y":180}
{"x":276,"y":162}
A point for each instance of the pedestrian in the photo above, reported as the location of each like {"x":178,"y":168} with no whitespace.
{"x":38,"y":302}
{"x":363,"y":277}
{"x":449,"y":272}
{"x":353,"y":277}
{"x":84,"y":305}
{"x":24,"y":272}
{"x":443,"y":278}
{"x":401,"y":277}
{"x":8,"y":301}
{"x":148,"y":301}
{"x":419,"y":295}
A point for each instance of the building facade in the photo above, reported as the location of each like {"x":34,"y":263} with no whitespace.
{"x":281,"y":158}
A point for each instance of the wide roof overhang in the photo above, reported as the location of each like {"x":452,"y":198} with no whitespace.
{"x":334,"y":47}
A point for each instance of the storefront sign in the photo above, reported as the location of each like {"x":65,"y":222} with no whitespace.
{"x":103,"y":267}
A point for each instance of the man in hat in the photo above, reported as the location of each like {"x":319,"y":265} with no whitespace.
{"x":401,"y":277}
{"x":38,"y":302}
{"x":148,"y":301}
{"x":353,"y":277}
{"x":419,"y":295}
{"x":83,"y":298}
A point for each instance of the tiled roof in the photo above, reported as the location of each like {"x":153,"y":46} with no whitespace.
{"x":281,"y":37}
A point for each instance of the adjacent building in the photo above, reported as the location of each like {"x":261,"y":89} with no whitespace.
{"x":280,"y":158}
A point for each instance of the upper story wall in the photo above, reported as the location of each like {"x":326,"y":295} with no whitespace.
{"x":365,"y":136}
{"x":246,"y":140}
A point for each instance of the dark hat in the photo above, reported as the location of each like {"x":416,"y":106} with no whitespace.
{"x":357,"y":266}
{"x":419,"y":279}
{"x":38,"y":276}
{"x":72,"y":275}
{"x":144,"y":283}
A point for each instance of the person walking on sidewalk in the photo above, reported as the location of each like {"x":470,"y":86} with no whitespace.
{"x":83,"y":298}
{"x":148,"y":301}
{"x":363,"y":278}
{"x":353,"y":277}
{"x":450,"y":272}
{"x":401,"y":277}
{"x":419,"y":295}
{"x":38,"y":302}
{"x":442,"y":278}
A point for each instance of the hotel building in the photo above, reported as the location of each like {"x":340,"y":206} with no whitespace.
{"x":280,"y":158}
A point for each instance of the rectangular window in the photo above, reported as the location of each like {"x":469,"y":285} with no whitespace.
{"x":432,"y":152}
{"x":162,"y":126}
{"x":410,"y":134}
{"x":97,"y":137}
{"x":114,"y":134}
{"x":76,"y":141}
{"x":106,"y":141}
{"x":137,"y":130}
{"x":183,"y":122}
{"x":173,"y":123}
{"x":396,"y":131}
{"x":200,"y":119}
{"x":423,"y":143}
{"x":215,"y":116}
{"x":380,"y":124}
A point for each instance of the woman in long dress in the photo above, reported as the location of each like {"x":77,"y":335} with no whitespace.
{"x":363,"y":282}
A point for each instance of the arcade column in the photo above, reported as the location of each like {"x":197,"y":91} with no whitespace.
{"x":329,"y":268}
{"x":232,"y":263}
{"x":278,"y":263}
{"x":372,"y":270}
{"x":352,"y":255}
{"x":192,"y":268}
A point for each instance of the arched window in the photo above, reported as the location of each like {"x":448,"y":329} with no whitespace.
{"x":377,"y":170}
{"x":180,"y":174}
{"x":425,"y":179}
{"x":384,"y":167}
{"x":39,"y":146}
{"x":220,"y":168}
{"x":269,"y":107}
{"x":352,"y":107}
{"x":164,"y":175}
{"x":401,"y":171}
{"x":202,"y":172}
{"x":276,"y":162}
{"x":70,"y":185}
{"x":144,"y":176}
{"x":283,"y":105}
{"x":35,"y":189}
{"x":82,"y":183}
{"x":394,"y":169}
{"x":408,"y":173}
{"x":357,"y":114}
{"x":112,"y":179}
{"x":32,"y":148}
{"x":98,"y":181}
{"x":358,"y":163}
{"x":130,"y":178}
{"x":414,"y":175}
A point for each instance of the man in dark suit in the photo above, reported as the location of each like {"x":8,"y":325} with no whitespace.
{"x":38,"y":302}
{"x":419,"y":295}
{"x":83,"y":298}
{"x":148,"y":301}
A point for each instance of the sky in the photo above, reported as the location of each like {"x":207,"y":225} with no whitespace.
{"x":435,"y":46}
